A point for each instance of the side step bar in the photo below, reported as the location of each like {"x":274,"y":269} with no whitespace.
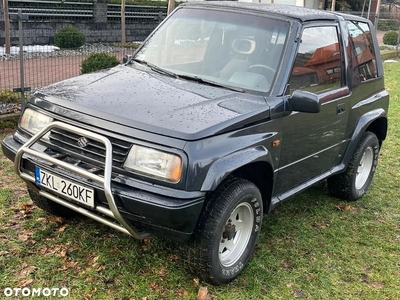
{"x":105,"y":181}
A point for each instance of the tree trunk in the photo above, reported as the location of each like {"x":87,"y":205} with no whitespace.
{"x":123,"y":39}
{"x":6,"y":26}
{"x":171,"y":6}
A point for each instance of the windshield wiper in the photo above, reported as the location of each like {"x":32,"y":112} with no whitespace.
{"x":155,"y":68}
{"x":187,"y":77}
{"x":210,"y":82}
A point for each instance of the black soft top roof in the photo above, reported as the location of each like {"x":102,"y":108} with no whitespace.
{"x":290,"y":11}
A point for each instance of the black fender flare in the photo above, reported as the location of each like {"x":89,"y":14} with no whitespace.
{"x":362,"y":124}
{"x":223,"y":167}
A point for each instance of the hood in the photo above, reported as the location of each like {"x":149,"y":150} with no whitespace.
{"x":153,"y":102}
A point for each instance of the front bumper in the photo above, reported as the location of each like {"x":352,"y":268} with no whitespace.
{"x":134,"y":211}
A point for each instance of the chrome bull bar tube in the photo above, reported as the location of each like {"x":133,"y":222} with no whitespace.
{"x":105,"y":181}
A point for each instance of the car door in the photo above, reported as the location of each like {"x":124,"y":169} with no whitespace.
{"x":311,"y":142}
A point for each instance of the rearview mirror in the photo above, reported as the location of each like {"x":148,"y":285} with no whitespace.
{"x":303,"y":101}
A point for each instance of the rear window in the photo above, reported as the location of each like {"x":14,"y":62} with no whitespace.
{"x":363,"y":58}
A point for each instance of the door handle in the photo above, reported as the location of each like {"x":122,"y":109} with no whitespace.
{"x":340,"y":109}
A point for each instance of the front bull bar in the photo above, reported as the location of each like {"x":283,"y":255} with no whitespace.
{"x":105,"y":181}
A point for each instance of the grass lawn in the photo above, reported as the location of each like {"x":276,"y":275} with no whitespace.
{"x":313,"y":246}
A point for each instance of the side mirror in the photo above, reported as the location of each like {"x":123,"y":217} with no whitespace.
{"x":303,"y":101}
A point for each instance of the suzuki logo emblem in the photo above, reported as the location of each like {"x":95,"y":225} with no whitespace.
{"x":82,"y":142}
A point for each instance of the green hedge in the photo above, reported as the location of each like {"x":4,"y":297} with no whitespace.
{"x":390,"y":38}
{"x":388,"y":24}
{"x":98,"y":61}
{"x":389,"y":55}
{"x":69,"y":37}
{"x":9,"y":121}
{"x":8,"y":96}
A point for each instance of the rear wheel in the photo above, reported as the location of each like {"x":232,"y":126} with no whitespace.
{"x":226,"y":233}
{"x":50,"y":206}
{"x":355,"y":181}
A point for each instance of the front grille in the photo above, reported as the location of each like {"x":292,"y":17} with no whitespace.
{"x":94,"y":151}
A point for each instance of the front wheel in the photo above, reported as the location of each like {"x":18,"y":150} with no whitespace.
{"x":226,"y":233}
{"x":355,"y":181}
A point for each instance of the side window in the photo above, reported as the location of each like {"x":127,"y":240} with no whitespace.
{"x":317,"y":67}
{"x":364,"y":62}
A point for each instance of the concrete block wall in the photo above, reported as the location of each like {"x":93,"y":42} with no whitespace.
{"x":42,"y":32}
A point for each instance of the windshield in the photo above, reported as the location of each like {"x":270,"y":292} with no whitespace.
{"x":224,"y":48}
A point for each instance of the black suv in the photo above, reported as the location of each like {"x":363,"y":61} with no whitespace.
{"x":225,"y":111}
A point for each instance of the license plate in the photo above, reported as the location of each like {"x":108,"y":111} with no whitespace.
{"x":64,"y":187}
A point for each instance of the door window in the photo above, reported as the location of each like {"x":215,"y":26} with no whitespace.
{"x":317,"y":67}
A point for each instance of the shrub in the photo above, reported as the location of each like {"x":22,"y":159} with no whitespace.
{"x":69,"y":37}
{"x":389,"y":55}
{"x":9,"y":122}
{"x":390,"y":38}
{"x":8,"y":96}
{"x":387,"y":24}
{"x":98,"y":61}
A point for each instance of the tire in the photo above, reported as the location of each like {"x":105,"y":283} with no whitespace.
{"x":227,"y":232}
{"x":355,"y":181}
{"x":51,"y":206}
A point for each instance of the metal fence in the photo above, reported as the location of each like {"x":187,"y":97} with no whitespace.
{"x":44,"y":10}
{"x":43,"y":63}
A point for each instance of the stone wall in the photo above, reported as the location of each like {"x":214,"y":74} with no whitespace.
{"x":96,"y":30}
{"x":42,"y":33}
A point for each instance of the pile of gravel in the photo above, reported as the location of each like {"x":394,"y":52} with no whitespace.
{"x":84,"y":50}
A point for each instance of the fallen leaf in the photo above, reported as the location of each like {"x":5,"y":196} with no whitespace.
{"x":26,"y":270}
{"x":196,"y":281}
{"x":173,"y":257}
{"x":62,"y":229}
{"x":343,"y":208}
{"x":244,"y":282}
{"x":100,"y":268}
{"x":3,"y":253}
{"x":146,"y":241}
{"x":286,"y":265}
{"x":89,"y":280}
{"x":321,"y":225}
{"x":163,"y":272}
{"x":289,"y":285}
{"x":25,"y":283}
{"x":299,"y":294}
{"x":153,"y":286}
{"x":181,"y":293}
{"x":56,"y":219}
{"x":375,"y":285}
{"x":71,"y":264}
{"x":202,"y":293}
{"x":23,"y":237}
{"x":43,"y":250}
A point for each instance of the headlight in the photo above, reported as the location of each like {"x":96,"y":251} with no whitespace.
{"x":155,"y":163}
{"x":33,"y":121}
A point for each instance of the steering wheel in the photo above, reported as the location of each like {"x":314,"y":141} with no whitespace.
{"x":260,"y":67}
{"x":263,"y":70}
